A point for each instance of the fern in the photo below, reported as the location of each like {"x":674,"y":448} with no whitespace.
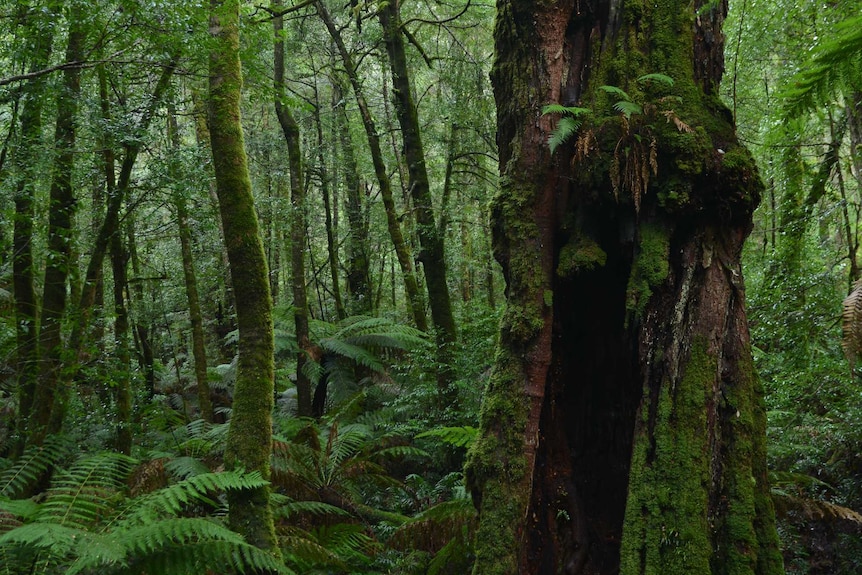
{"x":851,"y":324}
{"x":833,"y":68}
{"x":32,"y":465}
{"x":628,"y":109}
{"x":658,"y":78}
{"x":615,"y":91}
{"x":568,"y":125}
{"x":456,"y":436}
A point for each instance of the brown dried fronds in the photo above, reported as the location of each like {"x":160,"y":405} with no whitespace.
{"x":671,"y":116}
{"x":851,"y":324}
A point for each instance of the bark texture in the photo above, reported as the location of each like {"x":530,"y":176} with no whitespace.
{"x":623,"y":427}
{"x":249,"y":442}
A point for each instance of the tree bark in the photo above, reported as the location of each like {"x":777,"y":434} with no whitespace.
{"x":25,"y":158}
{"x":297,"y":226}
{"x":359,"y":261}
{"x":415,"y":300}
{"x":432,"y":254}
{"x":48,"y":403}
{"x":623,"y":427}
{"x":249,"y":441}
{"x":121,"y":379}
{"x":190,"y":277}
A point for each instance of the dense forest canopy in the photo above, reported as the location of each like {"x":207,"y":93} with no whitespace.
{"x":430,"y":287}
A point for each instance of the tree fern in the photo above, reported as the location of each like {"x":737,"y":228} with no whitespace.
{"x":832,"y":69}
{"x":33,"y":464}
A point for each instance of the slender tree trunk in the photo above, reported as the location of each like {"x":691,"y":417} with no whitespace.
{"x":249,"y":442}
{"x":623,"y":427}
{"x":431,"y":239}
{"x":359,"y":261}
{"x":191,"y":281}
{"x":331,"y":236}
{"x":25,"y":158}
{"x":146,"y":359}
{"x":297,"y":226}
{"x":122,"y":374}
{"x":48,"y":405}
{"x":414,"y":296}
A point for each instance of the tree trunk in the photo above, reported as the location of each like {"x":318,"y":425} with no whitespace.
{"x":25,"y":158}
{"x":623,"y":428}
{"x":297,"y":226}
{"x":249,"y":441}
{"x":48,"y":403}
{"x":414,"y":297}
{"x":121,"y":379}
{"x":432,"y":253}
{"x":195,"y":317}
{"x":359,"y":261}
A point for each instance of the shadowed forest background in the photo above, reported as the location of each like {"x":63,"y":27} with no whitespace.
{"x":370,"y":134}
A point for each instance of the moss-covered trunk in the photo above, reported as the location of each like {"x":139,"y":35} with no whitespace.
{"x":623,"y":427}
{"x":298,"y":231}
{"x":48,"y":408}
{"x":432,"y":254}
{"x":249,"y":441}
{"x":415,"y":301}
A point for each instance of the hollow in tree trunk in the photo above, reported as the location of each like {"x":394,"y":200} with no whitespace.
{"x":623,"y":427}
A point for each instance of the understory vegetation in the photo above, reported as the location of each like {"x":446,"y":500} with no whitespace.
{"x":122,"y":469}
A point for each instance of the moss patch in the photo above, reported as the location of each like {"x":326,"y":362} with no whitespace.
{"x":580,"y":253}
{"x":649,"y":269}
{"x":666,"y":526}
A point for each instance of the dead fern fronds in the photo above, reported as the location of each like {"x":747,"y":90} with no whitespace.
{"x":671,"y":116}
{"x":851,"y":324}
{"x":653,"y":156}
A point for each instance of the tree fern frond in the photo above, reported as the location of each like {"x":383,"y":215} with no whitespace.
{"x":217,"y":556}
{"x":185,"y":467}
{"x":86,"y":492}
{"x":628,"y":109}
{"x":34,"y":462}
{"x":315,"y":508}
{"x":301,"y":549}
{"x":437,"y":525}
{"x":172,"y":500}
{"x":352,"y":352}
{"x":832,"y":69}
{"x":457,"y":436}
{"x":560,"y":109}
{"x":24,"y":510}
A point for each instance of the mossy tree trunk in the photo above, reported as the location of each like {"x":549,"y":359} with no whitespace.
{"x":249,"y":441}
{"x":48,"y":405}
{"x":623,"y":427}
{"x":432,"y":254}
{"x":24,"y":157}
{"x":359,"y":262}
{"x":298,"y":229}
{"x":191,"y":281}
{"x":415,"y":300}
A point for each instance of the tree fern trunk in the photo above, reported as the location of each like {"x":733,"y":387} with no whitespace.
{"x":249,"y":441}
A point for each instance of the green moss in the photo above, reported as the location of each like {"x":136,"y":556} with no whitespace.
{"x":666,"y":526}
{"x":580,"y":253}
{"x":650,"y":267}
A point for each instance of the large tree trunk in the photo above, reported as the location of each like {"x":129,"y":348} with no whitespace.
{"x":623,"y":427}
{"x":249,"y":441}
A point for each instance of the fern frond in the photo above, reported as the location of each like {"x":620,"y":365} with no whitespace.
{"x":832,"y":69}
{"x":615,"y":91}
{"x":851,"y":324}
{"x":457,"y":436}
{"x":32,"y":464}
{"x":171,"y":500}
{"x":185,"y":467}
{"x":434,"y":527}
{"x":86,"y":492}
{"x":301,"y":548}
{"x":352,"y":352}
{"x":564,"y":130}
{"x":217,"y":556}
{"x":658,"y":78}
{"x":315,"y":508}
{"x":560,"y":109}
{"x":628,"y":109}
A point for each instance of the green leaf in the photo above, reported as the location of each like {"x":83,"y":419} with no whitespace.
{"x":560,"y":109}
{"x":628,"y":108}
{"x":616,"y":92}
{"x":565,"y":128}
{"x":659,"y":78}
